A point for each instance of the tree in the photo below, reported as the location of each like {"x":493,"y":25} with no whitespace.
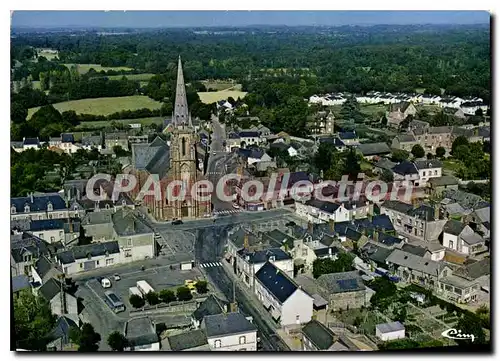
{"x":184,"y":294}
{"x":418,"y":151}
{"x":385,"y":290}
{"x":33,"y":320}
{"x":352,"y":166}
{"x":433,"y":89}
{"x":18,"y":112}
{"x":384,"y":120}
{"x":430,"y":156}
{"x":399,"y":155}
{"x":440,"y":152}
{"x":387,"y":176}
{"x":470,"y":324}
{"x":461,"y":140}
{"x":119,"y":151}
{"x":167,"y":296}
{"x":152,"y":298}
{"x":86,"y":338}
{"x":201,"y":287}
{"x":117,"y":341}
{"x":479,"y":112}
{"x":326,"y":265}
{"x":137,"y":301}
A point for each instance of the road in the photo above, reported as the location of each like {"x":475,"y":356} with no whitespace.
{"x":209,"y":248}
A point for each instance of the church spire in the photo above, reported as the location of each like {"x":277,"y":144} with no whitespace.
{"x":181,"y":112}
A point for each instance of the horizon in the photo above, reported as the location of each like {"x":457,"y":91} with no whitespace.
{"x":240,"y":18}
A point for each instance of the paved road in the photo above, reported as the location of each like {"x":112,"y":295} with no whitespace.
{"x":218,"y":136}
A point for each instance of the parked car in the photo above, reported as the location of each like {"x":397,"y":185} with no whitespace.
{"x":106,"y":283}
{"x":190,"y":284}
{"x":177,"y":221}
{"x":117,"y":277}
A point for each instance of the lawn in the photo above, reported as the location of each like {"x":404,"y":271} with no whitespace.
{"x":451,"y":165}
{"x":104,"y":106}
{"x":46,"y":53}
{"x":105,"y":123}
{"x":212,"y":97}
{"x":371,"y":109}
{"x":221,"y":84}
{"x":84,"y":68}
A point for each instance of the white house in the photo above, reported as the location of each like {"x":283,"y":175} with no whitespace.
{"x":317,"y":211}
{"x":61,"y":302}
{"x":31,"y":143}
{"x":460,"y":237}
{"x":39,"y":206}
{"x":427,"y":169}
{"x":390,"y":331}
{"x":250,"y":137}
{"x":141,"y":335}
{"x":230,"y":332}
{"x":248,"y":263}
{"x":89,"y":257}
{"x":282,"y":297}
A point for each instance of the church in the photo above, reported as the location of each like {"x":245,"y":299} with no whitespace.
{"x":172,"y":161}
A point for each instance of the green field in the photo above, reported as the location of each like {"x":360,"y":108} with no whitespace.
{"x":46,"y":53}
{"x":104,"y":106}
{"x":84,"y":68}
{"x":134,"y":77}
{"x":104,"y":124}
{"x":221,"y":85}
{"x":212,"y":97}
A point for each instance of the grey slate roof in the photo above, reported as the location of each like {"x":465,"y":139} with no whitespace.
{"x":454,"y":227}
{"x":19,"y":283}
{"x":43,"y":266}
{"x":126,"y":224}
{"x":404,"y":138}
{"x":26,"y":242}
{"x":67,"y":138}
{"x":187,"y":340}
{"x":262,"y":256}
{"x":276,"y":282}
{"x":368,"y":149}
{"x":385,"y":164}
{"x":440,"y":130}
{"x":474,"y":270}
{"x":211,"y":306}
{"x":50,"y":289}
{"x":39,"y":203}
{"x":390,"y":327}
{"x":226,"y":324}
{"x":321,"y":336}
{"x":153,"y":157}
{"x":472,"y":238}
{"x":405,"y":168}
{"x":46,"y":225}
{"x":92,"y":141}
{"x":423,"y":212}
{"x":375,"y":252}
{"x":323,"y":206}
{"x":406,"y":259}
{"x":83,"y":252}
{"x":397,"y":206}
{"x":445,"y":180}
{"x":429,"y":163}
{"x":62,"y":328}
{"x":341,"y":282}
{"x":140,"y":331}
{"x":416,"y":250}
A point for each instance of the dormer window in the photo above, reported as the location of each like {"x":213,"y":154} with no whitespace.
{"x":13,"y":209}
{"x":50,"y":208}
{"x":124,"y":202}
{"x":107,"y":206}
{"x":26,"y":209}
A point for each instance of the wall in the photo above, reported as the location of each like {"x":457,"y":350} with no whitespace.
{"x":150,"y":347}
{"x":390,"y":335}
{"x":232,"y":342}
{"x":447,"y":238}
{"x":51,"y":236}
{"x":347,"y":300}
{"x":140,"y":245}
{"x":40,"y":215}
{"x":78,"y":265}
{"x":298,"y":304}
{"x":71,"y":305}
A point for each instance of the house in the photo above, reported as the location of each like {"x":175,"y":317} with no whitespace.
{"x":317,"y":337}
{"x":399,"y":112}
{"x":404,"y":142}
{"x":25,"y":250}
{"x":39,"y":206}
{"x":317,"y":211}
{"x":68,"y":144}
{"x":343,"y":290}
{"x":430,"y":250}
{"x":371,"y":150}
{"x":418,"y":124}
{"x":306,"y":251}
{"x":92,"y":142}
{"x":406,"y":171}
{"x":390,"y":331}
{"x":61,"y":303}
{"x":335,"y":142}
{"x":114,"y":139}
{"x":65,"y":231}
{"x":134,"y":139}
{"x":89,"y":257}
{"x":282,"y":297}
{"x":322,"y":123}
{"x":141,"y":335}
{"x":60,"y":335}
{"x":290,"y":150}
{"x":349,"y":138}
{"x":19,"y":283}
{"x":436,"y":186}
{"x":135,"y":238}
{"x":462,"y":238}
{"x":420,"y":222}
{"x":31,"y":143}
{"x":211,"y":306}
{"x":427,"y":169}
{"x":193,"y":340}
{"x":249,"y":138}
{"x":454,"y":112}
{"x":43,"y":270}
{"x":383,"y":164}
{"x":249,"y":262}
{"x":230,"y":332}
{"x":471,"y":107}
{"x":375,"y":254}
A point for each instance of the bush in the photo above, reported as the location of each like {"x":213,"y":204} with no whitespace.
{"x":201,"y":287}
{"x":184,"y":294}
{"x":137,"y":301}
{"x":152,"y":298}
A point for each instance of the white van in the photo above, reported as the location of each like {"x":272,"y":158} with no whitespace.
{"x":106,"y":283}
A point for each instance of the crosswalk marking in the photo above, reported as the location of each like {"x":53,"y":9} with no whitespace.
{"x":228,"y":211}
{"x":210,"y":264}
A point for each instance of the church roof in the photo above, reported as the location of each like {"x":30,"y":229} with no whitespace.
{"x":181,"y":111}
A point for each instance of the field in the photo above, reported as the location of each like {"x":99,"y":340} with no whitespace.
{"x":84,"y":68}
{"x":104,"y":106}
{"x":220,"y":84}
{"x":49,"y":55}
{"x":212,"y":97}
{"x":134,"y":77}
{"x":105,"y":123}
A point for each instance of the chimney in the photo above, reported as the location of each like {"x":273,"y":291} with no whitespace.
{"x":332,"y":225}
{"x":245,"y":241}
{"x":375,"y":235}
{"x":78,"y":194}
{"x":436,"y":211}
{"x":310,"y":227}
{"x":31,"y":197}
{"x":330,"y":251}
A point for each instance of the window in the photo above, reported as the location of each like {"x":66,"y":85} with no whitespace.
{"x":52,"y":239}
{"x":128,"y":253}
{"x":49,"y":207}
{"x":217,"y":344}
{"x":97,"y":263}
{"x":297,"y":318}
{"x":129,"y":242}
{"x":423,"y":173}
{"x":61,"y":234}
{"x":183,"y":147}
{"x":451,"y":244}
{"x":40,"y":235}
{"x":243,"y":340}
{"x":436,"y":172}
{"x":304,"y":252}
{"x":27,"y":257}
{"x":109,"y":261}
{"x":81,"y":265}
{"x":27,"y":270}
{"x":13,"y":210}
{"x":26,"y":209}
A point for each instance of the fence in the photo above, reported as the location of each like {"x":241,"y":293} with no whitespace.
{"x":172,"y":307}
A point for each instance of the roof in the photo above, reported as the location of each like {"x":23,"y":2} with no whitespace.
{"x":406,"y":259}
{"x":397,"y":206}
{"x":276,"y":282}
{"x":125,"y":223}
{"x":375,"y":252}
{"x":67,"y":138}
{"x":405,"y":168}
{"x":92,"y":140}
{"x":325,"y":251}
{"x":43,"y":266}
{"x":321,"y":336}
{"x":211,"y":306}
{"x":19,"y":283}
{"x":385,"y":163}
{"x":249,"y":134}
{"x":416,"y":250}
{"x":50,"y":289}
{"x":406,"y":138}
{"x":368,"y":149}
{"x":187,"y":340}
{"x":225,"y":324}
{"x":388,"y":239}
{"x":440,"y":130}
{"x":31,"y":141}
{"x":334,"y":141}
{"x":483,"y":214}
{"x":153,"y":157}
{"x":454,"y":227}
{"x":26,"y":243}
{"x":341,"y":282}
{"x":445,"y":180}
{"x":474,"y":270}
{"x":262,"y":256}
{"x":472,"y":238}
{"x":92,"y":250}
{"x":390,"y":327}
{"x":348,"y":135}
{"x":429,"y":163}
{"x":62,"y":328}
{"x":423,"y":212}
{"x":402,"y":106}
{"x":39,"y":202}
{"x":324,"y":206}
{"x":140,"y":331}
{"x":46,"y":225}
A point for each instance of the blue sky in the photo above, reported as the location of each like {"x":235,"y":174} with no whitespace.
{"x":137,"y":19}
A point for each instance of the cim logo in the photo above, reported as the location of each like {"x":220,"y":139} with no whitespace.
{"x":455,"y":334}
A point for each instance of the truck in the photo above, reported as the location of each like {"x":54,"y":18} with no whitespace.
{"x":144,"y":287}
{"x":134,"y":291}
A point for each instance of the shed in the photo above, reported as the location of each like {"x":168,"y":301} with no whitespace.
{"x":390,"y":331}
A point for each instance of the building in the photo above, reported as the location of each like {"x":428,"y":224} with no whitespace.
{"x":61,"y":303}
{"x":248,"y":137}
{"x":343,"y":290}
{"x":88,"y":257}
{"x":31,"y":143}
{"x":461,"y":237}
{"x":25,"y":250}
{"x":373,"y":150}
{"x":116,"y":139}
{"x":282,"y":297}
{"x":349,"y":138}
{"x":211,"y":306}
{"x":428,"y":169}
{"x":317,"y":337}
{"x":60,"y":335}
{"x":230,"y":332}
{"x":436,"y":186}
{"x":38,"y":206}
{"x":92,"y":142}
{"x":65,"y":231}
{"x":399,"y":112}
{"x":322,"y":123}
{"x":317,"y":211}
{"x":43,"y":270}
{"x":193,"y":340}
{"x":248,"y":263}
{"x":407,"y":172}
{"x":390,"y":331}
{"x":404,"y":142}
{"x":141,"y":335}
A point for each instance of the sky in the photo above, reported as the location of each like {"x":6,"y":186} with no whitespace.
{"x":139,"y":19}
